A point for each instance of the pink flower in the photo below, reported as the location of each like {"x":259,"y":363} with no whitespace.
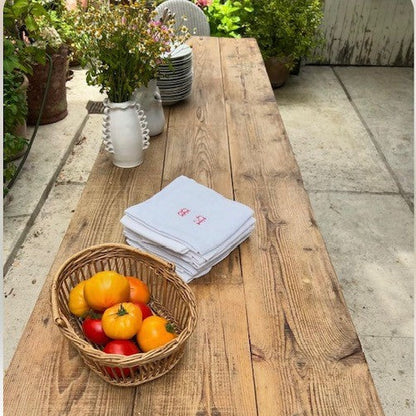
{"x":203,"y":3}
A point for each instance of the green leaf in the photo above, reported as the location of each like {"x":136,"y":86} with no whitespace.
{"x":38,"y":10}
{"x":30,"y":23}
{"x":19,"y":7}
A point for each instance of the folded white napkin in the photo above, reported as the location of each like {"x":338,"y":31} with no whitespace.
{"x":191,"y":214}
{"x":136,"y":231}
{"x":189,"y":225}
{"x":190,"y":260}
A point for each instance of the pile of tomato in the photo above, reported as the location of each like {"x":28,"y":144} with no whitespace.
{"x":116,"y":316}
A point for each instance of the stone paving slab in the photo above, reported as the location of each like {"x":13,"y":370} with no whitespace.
{"x":12,"y":232}
{"x":370,"y":240}
{"x":330,"y":142}
{"x":385,"y":99}
{"x":50,"y":150}
{"x":26,"y":276}
{"x":390,"y":362}
{"x":78,"y":166}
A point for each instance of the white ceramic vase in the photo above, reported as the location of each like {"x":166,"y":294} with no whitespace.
{"x":125,"y":133}
{"x":151,"y":103}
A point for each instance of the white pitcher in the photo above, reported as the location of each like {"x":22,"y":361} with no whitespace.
{"x":151,"y":103}
{"x":125,"y":133}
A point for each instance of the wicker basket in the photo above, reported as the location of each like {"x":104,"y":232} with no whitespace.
{"x":170,"y":298}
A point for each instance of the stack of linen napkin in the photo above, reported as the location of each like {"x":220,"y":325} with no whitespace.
{"x":189,"y":225}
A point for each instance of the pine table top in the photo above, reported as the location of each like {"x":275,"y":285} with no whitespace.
{"x":274,"y":335}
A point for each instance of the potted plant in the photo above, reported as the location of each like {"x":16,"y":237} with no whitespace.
{"x":14,"y":127}
{"x":15,"y":68}
{"x":44,"y":27}
{"x":122,"y":45}
{"x":15,"y":83}
{"x":286,"y":31}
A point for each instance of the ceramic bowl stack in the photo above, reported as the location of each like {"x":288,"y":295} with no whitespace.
{"x":175,"y":78}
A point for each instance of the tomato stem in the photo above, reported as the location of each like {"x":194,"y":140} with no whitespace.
{"x":122,"y":310}
{"x":92,"y":315}
{"x":169,"y":327}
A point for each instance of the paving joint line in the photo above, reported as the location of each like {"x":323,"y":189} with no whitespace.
{"x":44,"y":196}
{"x":17,"y":216}
{"x":386,"y":336}
{"x":374,"y":141}
{"x":74,"y":183}
{"x":348,"y":191}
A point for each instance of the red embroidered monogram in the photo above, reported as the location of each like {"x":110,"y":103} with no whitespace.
{"x":184,"y":211}
{"x":199,"y":219}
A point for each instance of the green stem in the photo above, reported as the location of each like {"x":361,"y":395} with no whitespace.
{"x":169,"y":327}
{"x":122,"y":311}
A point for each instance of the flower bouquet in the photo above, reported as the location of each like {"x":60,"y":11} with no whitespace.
{"x":122,"y":45}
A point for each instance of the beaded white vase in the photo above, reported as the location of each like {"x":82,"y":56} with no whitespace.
{"x":151,"y":103}
{"x":125,"y":132}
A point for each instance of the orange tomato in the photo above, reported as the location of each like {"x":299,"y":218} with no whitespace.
{"x":122,"y":321}
{"x":154,"y":332}
{"x":139,"y":292}
{"x":105,"y":289}
{"x":76,"y":302}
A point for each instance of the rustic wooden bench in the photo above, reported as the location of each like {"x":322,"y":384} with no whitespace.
{"x":274,"y":335}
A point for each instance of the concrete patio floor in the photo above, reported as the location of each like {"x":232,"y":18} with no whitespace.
{"x":351,"y":129}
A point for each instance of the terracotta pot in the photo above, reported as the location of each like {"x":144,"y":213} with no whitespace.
{"x":56,"y":104}
{"x":277,"y":70}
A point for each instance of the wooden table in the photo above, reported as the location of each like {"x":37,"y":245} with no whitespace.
{"x":274,"y":336}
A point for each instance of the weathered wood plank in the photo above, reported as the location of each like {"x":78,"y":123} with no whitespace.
{"x":362,"y":45}
{"x":44,"y":358}
{"x":367,"y":32}
{"x":215,"y":375}
{"x":307,"y":358}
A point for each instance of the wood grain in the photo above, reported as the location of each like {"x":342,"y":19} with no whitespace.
{"x":46,"y":375}
{"x":218,"y":358}
{"x":367,"y":32}
{"x":307,"y":358}
{"x":274,"y":336}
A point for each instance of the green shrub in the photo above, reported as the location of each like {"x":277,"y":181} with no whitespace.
{"x":286,"y":28}
{"x":14,"y":105}
{"x":227,"y":18}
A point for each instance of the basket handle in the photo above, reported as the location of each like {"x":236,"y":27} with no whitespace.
{"x":61,"y":323}
{"x":55,"y":310}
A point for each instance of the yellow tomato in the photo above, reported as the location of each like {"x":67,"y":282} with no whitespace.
{"x":76,"y":302}
{"x":122,"y":321}
{"x":155,"y":332}
{"x":105,"y":289}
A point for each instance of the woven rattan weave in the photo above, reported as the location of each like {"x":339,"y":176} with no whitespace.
{"x":170,"y":298}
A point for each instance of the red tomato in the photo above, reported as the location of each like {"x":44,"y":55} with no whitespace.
{"x":146,"y":311}
{"x":93,"y":330}
{"x":123,"y":347}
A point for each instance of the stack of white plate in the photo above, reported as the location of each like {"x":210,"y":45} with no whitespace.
{"x":175,"y":78}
